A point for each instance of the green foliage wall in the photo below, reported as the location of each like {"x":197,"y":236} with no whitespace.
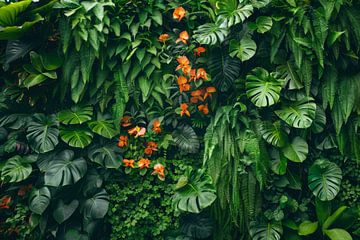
{"x":259,"y":99}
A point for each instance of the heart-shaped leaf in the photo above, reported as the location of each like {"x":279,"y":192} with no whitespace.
{"x":62,"y":170}
{"x":15,"y":170}
{"x":43,"y":132}
{"x":63,"y":211}
{"x":97,"y":206}
{"x":244,"y":50}
{"x":76,"y":137}
{"x":297,"y":150}
{"x":39,"y":200}
{"x":324,"y":179}
{"x":105,"y":156}
{"x":104,"y":128}
{"x":76,"y":115}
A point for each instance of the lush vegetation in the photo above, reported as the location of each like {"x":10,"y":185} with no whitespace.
{"x":159,"y":119}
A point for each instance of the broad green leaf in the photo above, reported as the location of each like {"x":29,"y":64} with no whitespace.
{"x":33,"y":80}
{"x":244,"y":50}
{"x":96,"y":207}
{"x":43,"y":132}
{"x":231,"y":14}
{"x":76,"y":137}
{"x":63,"y":170}
{"x":186,"y":139}
{"x":263,"y":24}
{"x":324,"y":179}
{"x":63,"y":211}
{"x":105,"y":156}
{"x":298,"y":114}
{"x":197,"y":226}
{"x":76,"y":115}
{"x":39,"y":200}
{"x":15,"y":170}
{"x":210,"y":33}
{"x":145,"y":85}
{"x":333,"y":217}
{"x":337,"y":234}
{"x":319,"y":122}
{"x":307,"y":228}
{"x":274,"y":134}
{"x":265,"y":231}
{"x":16,"y":32}
{"x":104,"y":128}
{"x":263,"y":88}
{"x":297,"y":150}
{"x":194,"y":191}
{"x":9,"y":14}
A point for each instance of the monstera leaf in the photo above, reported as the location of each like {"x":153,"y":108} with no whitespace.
{"x":263,"y":24}
{"x":63,"y":211}
{"x":63,"y":170}
{"x":97,"y":206}
{"x":274,"y":134}
{"x":197,"y":226}
{"x":265,"y":231}
{"x":210,"y":33}
{"x":230,"y":13}
{"x":42,"y":133}
{"x":244,"y":50}
{"x":104,"y":128}
{"x":76,"y":137}
{"x":39,"y":200}
{"x":297,"y":150}
{"x":105,"y":156}
{"x":298,"y":114}
{"x":186,"y":139}
{"x":15,"y":169}
{"x":263,"y":88}
{"x":76,"y":115}
{"x":324,"y":179}
{"x":194,"y":191}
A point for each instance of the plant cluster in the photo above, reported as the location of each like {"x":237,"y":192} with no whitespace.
{"x":257,"y":100}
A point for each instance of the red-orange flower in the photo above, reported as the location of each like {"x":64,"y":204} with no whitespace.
{"x":126,"y":121}
{"x":159,"y":170}
{"x":201,"y":73}
{"x":22,"y":191}
{"x":183,"y":85}
{"x":199,"y":50}
{"x":179,"y":13}
{"x":137,"y":131}
{"x":123,"y":141}
{"x":183,"y":37}
{"x":183,"y":64}
{"x":192,"y":75}
{"x":156,"y":126}
{"x":163,"y":37}
{"x":148,"y":151}
{"x":152,"y":145}
{"x":204,"y":108}
{"x":196,"y":96}
{"x":209,"y":91}
{"x":143,"y":163}
{"x":184,"y":110}
{"x":5,"y":202}
{"x":129,"y":163}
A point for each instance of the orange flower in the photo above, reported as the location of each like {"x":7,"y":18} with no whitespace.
{"x":199,"y":50}
{"x":123,"y":141}
{"x":183,"y":37}
{"x":201,"y":73}
{"x":183,"y":64}
{"x":184,"y":110}
{"x":126,"y":121}
{"x":137,"y":131}
{"x":159,"y":170}
{"x":143,"y":163}
{"x":156,"y":126}
{"x":164,"y":37}
{"x":192,"y":75}
{"x":196,"y":96}
{"x":148,"y":151}
{"x":209,"y":91}
{"x":152,"y":145}
{"x":183,"y":85}
{"x":179,"y":13}
{"x":204,"y":108}
{"x":129,"y":163}
{"x":5,"y":202}
{"x":22,"y":191}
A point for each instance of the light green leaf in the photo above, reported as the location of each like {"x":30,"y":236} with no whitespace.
{"x":307,"y":228}
{"x":297,"y":150}
{"x":337,"y":234}
{"x":104,"y":128}
{"x":76,"y":137}
{"x":263,"y":24}
{"x":76,"y":115}
{"x":15,"y":170}
{"x":244,"y":50}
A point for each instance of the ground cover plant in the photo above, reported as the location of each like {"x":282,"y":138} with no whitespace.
{"x":159,"y":119}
